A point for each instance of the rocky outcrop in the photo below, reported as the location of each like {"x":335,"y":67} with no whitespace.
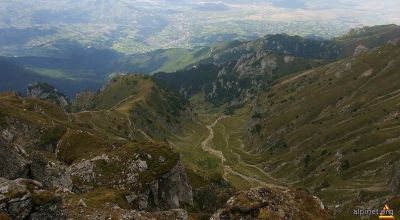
{"x":26,"y":199}
{"x":173,"y":188}
{"x":360,"y":49}
{"x":16,"y":163}
{"x":341,"y":163}
{"x":12,"y":164}
{"x":170,"y":191}
{"x":51,"y":175}
{"x":135,"y":173}
{"x":209,"y":198}
{"x":47,"y":92}
{"x":268,"y":203}
{"x":258,"y":63}
{"x":110,"y":211}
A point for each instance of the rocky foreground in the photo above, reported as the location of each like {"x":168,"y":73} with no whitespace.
{"x":27,"y":199}
{"x":272,"y":203}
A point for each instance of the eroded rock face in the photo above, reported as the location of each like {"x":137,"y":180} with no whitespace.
{"x":12,"y":164}
{"x":268,"y":203}
{"x":26,"y":199}
{"x":173,"y":188}
{"x":133,"y":173}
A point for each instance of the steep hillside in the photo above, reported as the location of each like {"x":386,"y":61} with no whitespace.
{"x":170,"y":60}
{"x":297,"y":46}
{"x":138,"y":108}
{"x":370,"y":37}
{"x":108,"y":160}
{"x":330,"y":130}
{"x":234,"y":82}
{"x":334,"y":129}
{"x":104,"y":168}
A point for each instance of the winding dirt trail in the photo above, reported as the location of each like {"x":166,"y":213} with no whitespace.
{"x":205,"y":145}
{"x":241,"y":161}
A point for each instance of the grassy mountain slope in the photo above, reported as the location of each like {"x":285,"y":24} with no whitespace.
{"x":111,"y":135}
{"x":113,"y":145}
{"x":170,"y":60}
{"x":331,"y":130}
{"x":334,"y":129}
{"x":137,"y":107}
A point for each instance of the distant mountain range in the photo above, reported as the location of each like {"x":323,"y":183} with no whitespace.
{"x":69,"y":61}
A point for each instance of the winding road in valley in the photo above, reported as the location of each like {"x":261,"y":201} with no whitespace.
{"x":205,"y":145}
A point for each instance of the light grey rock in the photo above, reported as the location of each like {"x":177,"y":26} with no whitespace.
{"x":138,"y":165}
{"x":84,"y":170}
{"x":174,"y":188}
{"x":131,"y":198}
{"x":360,"y":49}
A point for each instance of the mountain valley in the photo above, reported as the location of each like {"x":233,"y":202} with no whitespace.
{"x":280,"y":127}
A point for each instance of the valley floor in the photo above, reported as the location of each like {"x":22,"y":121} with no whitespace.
{"x":213,"y":147}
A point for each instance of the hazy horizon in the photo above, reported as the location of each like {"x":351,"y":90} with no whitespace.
{"x":132,"y":26}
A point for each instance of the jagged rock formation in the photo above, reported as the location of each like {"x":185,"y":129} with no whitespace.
{"x":269,"y":203}
{"x":237,"y":81}
{"x":47,"y":92}
{"x":174,"y":189}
